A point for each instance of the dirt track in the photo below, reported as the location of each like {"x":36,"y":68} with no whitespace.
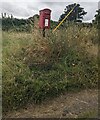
{"x":69,"y":105}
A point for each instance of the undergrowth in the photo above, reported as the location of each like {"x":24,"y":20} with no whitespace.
{"x":35,"y":68}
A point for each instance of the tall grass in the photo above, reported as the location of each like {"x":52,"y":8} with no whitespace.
{"x":35,"y":67}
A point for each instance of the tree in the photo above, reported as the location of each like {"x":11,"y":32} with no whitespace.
{"x":97,"y":17}
{"x":2,"y":15}
{"x":12,"y":16}
{"x":5,"y":15}
{"x":96,"y":21}
{"x":76,"y":15}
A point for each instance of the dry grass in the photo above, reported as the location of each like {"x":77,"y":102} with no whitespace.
{"x":35,"y":67}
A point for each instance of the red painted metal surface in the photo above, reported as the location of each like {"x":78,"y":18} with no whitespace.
{"x":44,"y":19}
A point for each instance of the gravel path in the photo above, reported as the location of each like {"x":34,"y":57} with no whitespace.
{"x":69,"y":105}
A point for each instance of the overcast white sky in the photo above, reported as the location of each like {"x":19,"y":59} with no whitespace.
{"x":27,"y":8}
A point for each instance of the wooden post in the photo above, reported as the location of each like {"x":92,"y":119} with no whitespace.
{"x":43,"y":32}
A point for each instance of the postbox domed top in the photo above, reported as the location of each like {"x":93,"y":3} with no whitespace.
{"x":46,"y":9}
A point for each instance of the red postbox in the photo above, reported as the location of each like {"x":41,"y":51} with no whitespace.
{"x":44,"y":19}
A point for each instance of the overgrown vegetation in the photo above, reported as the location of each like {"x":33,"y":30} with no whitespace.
{"x":35,"y":68}
{"x":14,"y":24}
{"x":89,"y":114}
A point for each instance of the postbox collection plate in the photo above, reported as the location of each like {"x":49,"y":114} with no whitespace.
{"x":46,"y":22}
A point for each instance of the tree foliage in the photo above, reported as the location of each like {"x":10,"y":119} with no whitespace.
{"x":97,"y":16}
{"x":96,"y":21}
{"x":11,"y":23}
{"x":76,"y":15}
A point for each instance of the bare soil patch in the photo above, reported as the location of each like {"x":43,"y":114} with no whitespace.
{"x":68,"y":105}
